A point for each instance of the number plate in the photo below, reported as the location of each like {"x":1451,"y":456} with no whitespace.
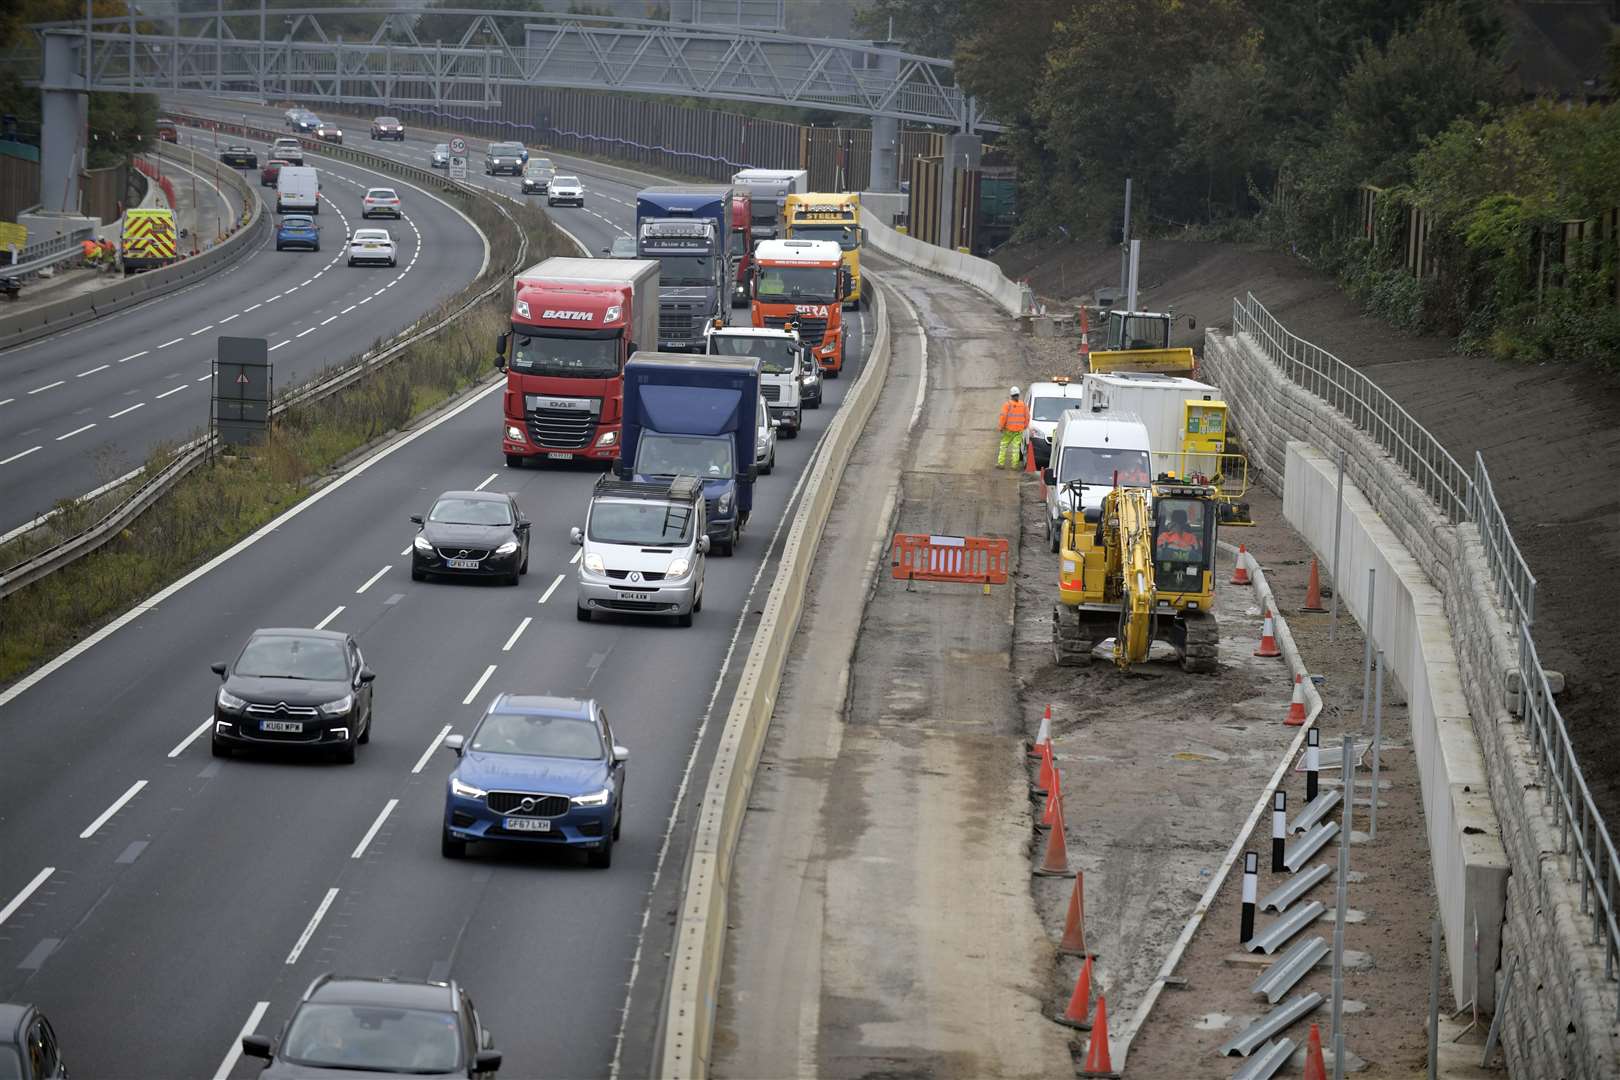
{"x":523,"y":824}
{"x":635,"y":596}
{"x":293,"y":727}
{"x":461,"y":564}
{"x":560,"y":457}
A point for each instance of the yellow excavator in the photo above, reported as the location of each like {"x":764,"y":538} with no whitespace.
{"x":1140,"y":569}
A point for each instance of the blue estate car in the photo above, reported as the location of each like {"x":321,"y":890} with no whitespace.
{"x":537,"y":770}
{"x":298,"y":230}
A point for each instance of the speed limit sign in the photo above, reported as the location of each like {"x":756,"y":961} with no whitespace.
{"x":458,"y":146}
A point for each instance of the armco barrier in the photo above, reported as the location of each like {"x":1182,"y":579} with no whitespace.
{"x":687,"y":1027}
{"x":982,"y":274}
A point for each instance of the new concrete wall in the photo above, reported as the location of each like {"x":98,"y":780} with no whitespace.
{"x":982,"y":274}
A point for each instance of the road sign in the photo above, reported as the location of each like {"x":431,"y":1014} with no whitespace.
{"x":458,"y":168}
{"x":242,"y":390}
{"x":458,"y":146}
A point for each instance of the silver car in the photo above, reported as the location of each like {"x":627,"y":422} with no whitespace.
{"x":645,"y":545}
{"x":441,"y":156}
{"x":765,"y":440}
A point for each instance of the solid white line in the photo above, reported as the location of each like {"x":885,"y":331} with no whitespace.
{"x":311,"y":330}
{"x":372,"y":580}
{"x":487,"y":479}
{"x":422,"y":761}
{"x":375,"y":825}
{"x":75,"y":431}
{"x":22,"y":898}
{"x":175,"y":341}
{"x":166,"y":393}
{"x":228,"y":318}
{"x":334,"y":614}
{"x":278,"y":345}
{"x":92,"y":371}
{"x":522,"y":626}
{"x":479,"y":685}
{"x":234,"y":1054}
{"x":118,"y":804}
{"x":180,"y":747}
{"x":314,"y":921}
{"x":14,"y":457}
{"x":47,"y":386}
{"x":135,"y":356}
{"x":132,"y":408}
{"x":204,"y":330}
{"x":551,"y":589}
{"x":327,"y":320}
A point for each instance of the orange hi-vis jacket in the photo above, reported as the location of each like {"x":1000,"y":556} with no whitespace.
{"x":1014,"y":415}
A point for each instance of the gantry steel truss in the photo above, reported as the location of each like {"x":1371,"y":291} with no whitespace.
{"x":240,"y":53}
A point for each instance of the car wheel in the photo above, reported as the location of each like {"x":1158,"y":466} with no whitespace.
{"x":697,"y":605}
{"x":351,"y":262}
{"x":602,"y":857}
{"x":317,"y":247}
{"x":514,"y":461}
{"x":618,"y":825}
{"x":583,"y":614}
{"x":512,"y":578}
{"x":418,"y":575}
{"x":450,"y":847}
{"x":684,"y":619}
{"x":524,"y":569}
{"x":365,"y":736}
{"x":219,"y":748}
{"x":279,"y":247}
{"x":345,"y":754}
{"x":393,"y":262}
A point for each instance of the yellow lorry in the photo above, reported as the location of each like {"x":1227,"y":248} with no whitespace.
{"x":148,"y":240}
{"x":830,"y":216}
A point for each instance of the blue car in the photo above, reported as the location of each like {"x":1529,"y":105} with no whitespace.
{"x":537,"y":770}
{"x":298,"y":230}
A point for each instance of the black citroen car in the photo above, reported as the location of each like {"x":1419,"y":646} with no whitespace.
{"x":294,"y":688}
{"x":471,"y":534}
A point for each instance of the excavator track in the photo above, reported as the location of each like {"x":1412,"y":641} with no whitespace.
{"x":1197,"y":637}
{"x":1073,"y":637}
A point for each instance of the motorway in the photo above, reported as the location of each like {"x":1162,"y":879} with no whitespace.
{"x":82,"y":407}
{"x":158,"y":903}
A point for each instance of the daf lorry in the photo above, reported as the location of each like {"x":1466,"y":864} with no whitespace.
{"x":830,"y":216}
{"x":695,"y":416}
{"x":768,"y":190}
{"x":574,"y":324}
{"x":803,"y":283}
{"x":783,"y":364}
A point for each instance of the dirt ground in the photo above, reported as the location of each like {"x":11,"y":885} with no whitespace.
{"x":1547,"y":434}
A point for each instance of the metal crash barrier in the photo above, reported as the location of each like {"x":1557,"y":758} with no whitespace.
{"x":977,"y":560}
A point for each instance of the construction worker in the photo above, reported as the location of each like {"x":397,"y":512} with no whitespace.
{"x":1014,"y":419}
{"x":92,"y":252}
{"x":1177,"y":541}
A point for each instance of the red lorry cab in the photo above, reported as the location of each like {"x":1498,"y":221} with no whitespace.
{"x":742,"y":248}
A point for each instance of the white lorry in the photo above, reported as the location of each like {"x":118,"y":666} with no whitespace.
{"x":767,"y":190}
{"x":783,"y":364}
{"x":1089,"y":454}
{"x":1159,"y":401}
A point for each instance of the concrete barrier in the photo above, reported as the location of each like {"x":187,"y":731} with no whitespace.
{"x":687,"y":1026}
{"x":982,"y":274}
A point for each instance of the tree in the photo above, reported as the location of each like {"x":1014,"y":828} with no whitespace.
{"x":928,"y":27}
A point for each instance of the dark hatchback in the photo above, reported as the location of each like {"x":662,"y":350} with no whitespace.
{"x":349,"y":1026}
{"x":28,"y":1048}
{"x":294,"y":688}
{"x":298,"y":230}
{"x":471,"y":534}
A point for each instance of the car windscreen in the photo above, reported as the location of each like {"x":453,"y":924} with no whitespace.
{"x":684,"y":455}
{"x":775,"y":354}
{"x":587,"y":354}
{"x":648,"y":523}
{"x":371,"y":236}
{"x":471,"y":512}
{"x":381,"y":193}
{"x":541,"y":736}
{"x":1098,"y":465}
{"x":803,"y":284}
{"x":565,"y":181}
{"x":739,"y":242}
{"x":374,"y":1039}
{"x":290,"y":222}
{"x":1051,"y":408}
{"x":624,"y":247}
{"x":276,"y":656}
{"x":505,"y":150}
{"x":689,"y":270}
{"x":844,"y":234}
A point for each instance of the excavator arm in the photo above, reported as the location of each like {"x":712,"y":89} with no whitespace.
{"x":1134,"y":515}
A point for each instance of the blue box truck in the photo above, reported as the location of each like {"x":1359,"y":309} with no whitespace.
{"x":695,"y":270}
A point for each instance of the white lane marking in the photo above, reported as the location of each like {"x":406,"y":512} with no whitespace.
{"x":136,"y":356}
{"x":551,"y":589}
{"x":118,"y":804}
{"x":407,"y":550}
{"x":255,"y":307}
{"x":173,"y":341}
{"x":575,"y":559}
{"x":22,"y":898}
{"x":522,"y":626}
{"x":479,"y":685}
{"x":269,"y":300}
{"x":421,"y":762}
{"x":8,"y":401}
{"x":92,"y":371}
{"x":314,"y":921}
{"x":228,"y":318}
{"x":180,"y":747}
{"x":487,"y":479}
{"x":360,"y":849}
{"x":234,"y":1054}
{"x":334,"y":614}
{"x":14,"y":457}
{"x":166,"y":393}
{"x":278,"y":345}
{"x":47,"y":386}
{"x":204,"y":330}
{"x":348,"y":309}
{"x":301,"y":284}
{"x":75,"y":431}
{"x":204,"y":378}
{"x":132,"y":408}
{"x":367,"y":300}
{"x":372,"y":580}
{"x":326,"y":320}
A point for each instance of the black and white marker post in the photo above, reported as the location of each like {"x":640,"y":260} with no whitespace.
{"x":1313,"y":762}
{"x":1279,"y":829}
{"x":1251,"y":882}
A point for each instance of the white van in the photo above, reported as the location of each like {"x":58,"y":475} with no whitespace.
{"x":1091,"y":451}
{"x":1047,"y":401}
{"x":298,"y":188}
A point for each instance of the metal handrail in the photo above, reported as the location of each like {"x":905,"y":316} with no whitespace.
{"x":1515,"y":583}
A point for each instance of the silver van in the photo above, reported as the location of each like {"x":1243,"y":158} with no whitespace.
{"x":645,"y":546}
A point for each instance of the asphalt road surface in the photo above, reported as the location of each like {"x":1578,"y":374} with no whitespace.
{"x":158,"y":903}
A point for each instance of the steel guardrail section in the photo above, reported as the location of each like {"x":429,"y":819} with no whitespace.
{"x":47,"y":253}
{"x":1274,"y":1022}
{"x":192,"y":454}
{"x":1275,"y":982}
{"x":1284,"y":927}
{"x":1279,"y":898}
{"x":1265,"y":1064}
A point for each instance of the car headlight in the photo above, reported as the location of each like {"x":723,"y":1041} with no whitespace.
{"x":229,"y":701}
{"x":724,"y":505}
{"x":421,"y":544}
{"x":507,"y":548}
{"x":338,"y":707}
{"x":811,"y":377}
{"x":677,"y":567}
{"x":514,"y":433}
{"x":593,"y":563}
{"x":607,"y":438}
{"x":595,"y":798}
{"x":465,"y":791}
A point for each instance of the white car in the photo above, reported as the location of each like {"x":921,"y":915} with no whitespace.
{"x":380,"y":202}
{"x":371,"y":246}
{"x":289,"y":150}
{"x":565,"y":189}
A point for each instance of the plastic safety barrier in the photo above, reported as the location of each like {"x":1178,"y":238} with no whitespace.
{"x":924,"y":557}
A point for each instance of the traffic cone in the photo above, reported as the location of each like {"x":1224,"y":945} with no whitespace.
{"x":1268,"y":638}
{"x":1240,"y":573}
{"x":1054,"y":802}
{"x":1043,"y":780}
{"x":1074,"y":927}
{"x":1029,"y":457}
{"x":1313,"y":591}
{"x":1078,"y":1013}
{"x":1044,"y":735}
{"x":1085,"y":336}
{"x":1315,"y":1067}
{"x":1296,"y":708}
{"x":1055,"y":862}
{"x":1098,"y":1060}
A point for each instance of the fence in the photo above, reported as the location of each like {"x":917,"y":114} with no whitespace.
{"x":1583,"y":835}
{"x":19,"y":185}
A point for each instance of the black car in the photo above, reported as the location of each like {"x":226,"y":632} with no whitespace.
{"x":304,"y":689}
{"x":349,"y":1025}
{"x":28,"y":1049}
{"x":475,"y":533}
{"x":239,"y":157}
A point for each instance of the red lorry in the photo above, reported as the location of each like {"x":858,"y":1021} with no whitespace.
{"x":742,"y":248}
{"x":574,"y":324}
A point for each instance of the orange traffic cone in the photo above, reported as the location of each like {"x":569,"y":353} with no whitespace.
{"x":1268,"y":638}
{"x":1043,"y":779}
{"x":1055,"y":862}
{"x":1054,"y":802}
{"x":1078,"y":1014}
{"x":1098,"y":1060}
{"x":1296,"y":708}
{"x":1315,"y":1067}
{"x":1029,"y":457}
{"x":1074,"y":928}
{"x":1313,"y":591}
{"x":1044,"y":735}
{"x":1240,"y":573}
